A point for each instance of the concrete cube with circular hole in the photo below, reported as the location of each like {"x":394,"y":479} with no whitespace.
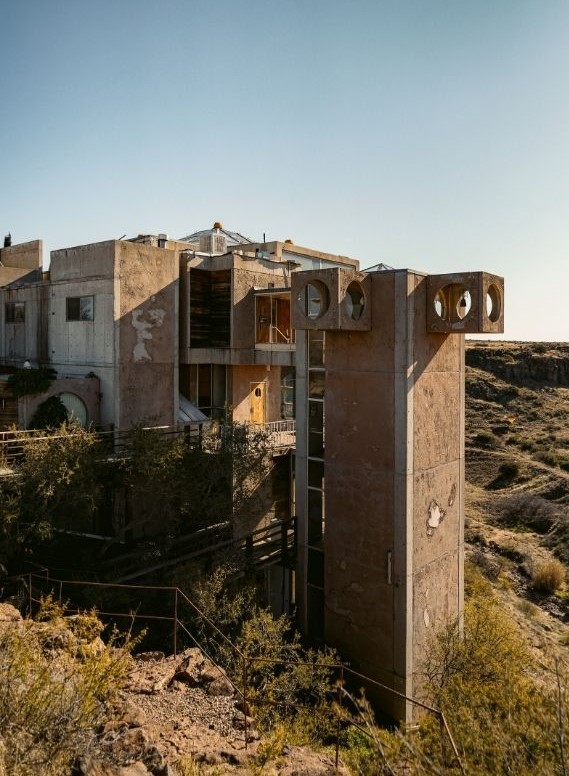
{"x":465,"y":303}
{"x":331,"y":299}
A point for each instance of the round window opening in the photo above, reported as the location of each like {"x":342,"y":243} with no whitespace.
{"x":313,"y":300}
{"x":355,"y":300}
{"x":453,"y":303}
{"x":257,"y":392}
{"x":493,"y":303}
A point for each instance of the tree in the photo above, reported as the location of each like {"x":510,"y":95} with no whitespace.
{"x":56,"y":484}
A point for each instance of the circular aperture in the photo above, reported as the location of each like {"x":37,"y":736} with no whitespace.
{"x":493,"y":303}
{"x":313,"y":300}
{"x":355,"y":300}
{"x":453,"y":303}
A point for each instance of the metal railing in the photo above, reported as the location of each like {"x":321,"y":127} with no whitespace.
{"x":278,"y":434}
{"x":339,"y":701}
{"x":273,"y":543}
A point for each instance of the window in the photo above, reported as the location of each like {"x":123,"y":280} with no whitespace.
{"x":15,"y":312}
{"x":80,"y":308}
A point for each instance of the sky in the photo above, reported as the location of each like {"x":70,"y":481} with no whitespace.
{"x":428,"y":134}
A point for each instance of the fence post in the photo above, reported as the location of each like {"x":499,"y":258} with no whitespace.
{"x":30,"y":595}
{"x":175,"y":621}
{"x":338,"y":714}
{"x":245,"y":709}
{"x":284,"y":542}
{"x":60,"y":591}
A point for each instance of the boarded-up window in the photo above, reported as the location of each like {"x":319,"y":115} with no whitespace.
{"x":15,"y":312}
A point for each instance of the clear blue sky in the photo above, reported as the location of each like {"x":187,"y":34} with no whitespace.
{"x":421,"y":133}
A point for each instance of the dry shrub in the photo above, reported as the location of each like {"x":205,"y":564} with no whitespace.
{"x":55,"y":689}
{"x":548,"y":577}
{"x":529,"y":512}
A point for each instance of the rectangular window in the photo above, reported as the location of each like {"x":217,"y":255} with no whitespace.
{"x":15,"y":312}
{"x":80,"y":308}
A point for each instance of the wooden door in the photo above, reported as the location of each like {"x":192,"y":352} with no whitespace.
{"x":257,"y":403}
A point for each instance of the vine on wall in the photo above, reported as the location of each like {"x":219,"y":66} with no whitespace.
{"x":28,"y":382}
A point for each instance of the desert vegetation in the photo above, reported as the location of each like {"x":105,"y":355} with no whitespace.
{"x":499,"y":676}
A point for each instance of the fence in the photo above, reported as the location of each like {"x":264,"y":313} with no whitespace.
{"x":277,"y":434}
{"x":41,"y":584}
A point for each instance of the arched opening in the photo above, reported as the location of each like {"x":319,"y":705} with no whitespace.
{"x":76,"y":409}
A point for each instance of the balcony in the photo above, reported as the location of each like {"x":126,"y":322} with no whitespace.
{"x":280,"y":433}
{"x":273,"y":329}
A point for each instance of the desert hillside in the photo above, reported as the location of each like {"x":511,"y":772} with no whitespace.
{"x":517,"y":472}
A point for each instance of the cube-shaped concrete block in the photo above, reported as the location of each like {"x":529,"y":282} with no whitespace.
{"x":331,"y":299}
{"x":466,"y":303}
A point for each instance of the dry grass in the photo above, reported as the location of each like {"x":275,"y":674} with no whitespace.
{"x":549,"y":576}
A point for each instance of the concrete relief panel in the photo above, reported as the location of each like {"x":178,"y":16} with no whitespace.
{"x":436,"y":513}
{"x":465,"y":302}
{"x":437,"y":419}
{"x":329,"y":299}
{"x":146,"y":334}
{"x":144,"y":322}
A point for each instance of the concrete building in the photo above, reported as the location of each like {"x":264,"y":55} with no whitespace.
{"x":370,"y":365}
{"x":380,"y":465}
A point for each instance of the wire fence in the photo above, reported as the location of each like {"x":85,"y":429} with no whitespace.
{"x":185,"y":624}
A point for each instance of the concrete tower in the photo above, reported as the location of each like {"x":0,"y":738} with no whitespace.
{"x":380,"y":460}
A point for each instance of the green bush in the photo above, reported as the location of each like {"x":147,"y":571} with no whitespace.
{"x":50,"y":414}
{"x":486,"y":438}
{"x":284,"y":680}
{"x":509,"y":470}
{"x":479,"y":671}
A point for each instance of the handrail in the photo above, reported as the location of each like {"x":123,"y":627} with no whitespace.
{"x":246,"y":660}
{"x":280,"y":433}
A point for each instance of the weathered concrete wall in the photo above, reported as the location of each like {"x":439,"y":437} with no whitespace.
{"x":146,"y":335}
{"x":240,"y":395}
{"x":438,"y":479}
{"x":360,"y":487}
{"x":81,"y":347}
{"x":86,"y":388}
{"x":25,"y":341}
{"x":131,"y":343}
{"x":393,"y":485}
{"x":28,"y":255}
{"x":96,"y":260}
{"x":245,"y":278}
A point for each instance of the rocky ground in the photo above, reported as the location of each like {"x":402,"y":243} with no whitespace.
{"x":179,"y":716}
